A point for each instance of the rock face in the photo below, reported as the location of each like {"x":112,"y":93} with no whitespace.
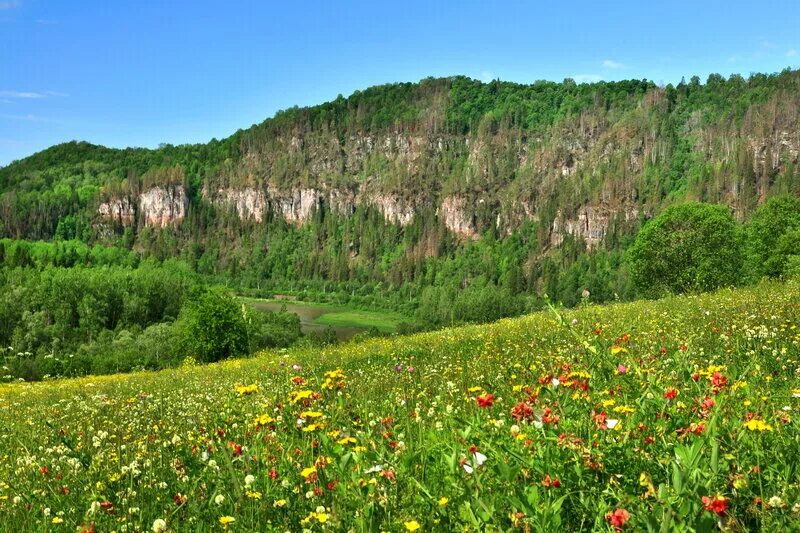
{"x":591,"y":224}
{"x":121,"y":210}
{"x":454,"y":214}
{"x":248,"y":202}
{"x":394,"y":211}
{"x":158,"y":207}
{"x":163,"y":206}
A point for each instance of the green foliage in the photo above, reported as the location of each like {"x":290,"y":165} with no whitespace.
{"x":688,"y":248}
{"x":772,"y":236}
{"x":216,"y":325}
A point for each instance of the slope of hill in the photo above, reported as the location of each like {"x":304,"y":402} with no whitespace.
{"x":676,"y":413}
{"x":393,"y":184}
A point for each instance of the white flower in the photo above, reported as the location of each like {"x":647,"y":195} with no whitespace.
{"x":320,"y":509}
{"x":159,"y":525}
{"x":775,"y":502}
{"x":249,"y":479}
{"x":374,"y":469}
{"x":219,"y":499}
{"x":611,"y":423}
{"x":555,"y":383}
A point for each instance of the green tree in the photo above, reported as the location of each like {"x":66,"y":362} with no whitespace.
{"x":767,"y":247}
{"x":688,"y":248}
{"x":215,"y":326}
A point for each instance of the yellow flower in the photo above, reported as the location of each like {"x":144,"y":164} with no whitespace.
{"x":253,"y":495}
{"x":757,"y":425}
{"x":279,"y":503}
{"x":617,"y":349}
{"x":322,"y":517}
{"x":58,"y":520}
{"x":312,"y":427}
{"x":474,"y":389}
{"x":412,"y":525}
{"x":306,"y":472}
{"x":246,"y":389}
{"x":310,"y":414}
{"x":624,"y":409}
{"x":225,"y":520}
{"x":300,"y":395}
{"x":347,"y":440}
{"x":263,"y":420}
{"x":443,"y":501}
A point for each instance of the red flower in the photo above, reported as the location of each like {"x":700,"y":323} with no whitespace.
{"x":522,"y":411}
{"x":600,"y":420}
{"x":547,"y":481}
{"x":548,"y":417}
{"x":718,"y":380}
{"x":617,"y":518}
{"x":485,"y":400}
{"x":671,"y":393}
{"x":717,"y":504}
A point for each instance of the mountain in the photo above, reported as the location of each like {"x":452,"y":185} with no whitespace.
{"x":407,"y":182}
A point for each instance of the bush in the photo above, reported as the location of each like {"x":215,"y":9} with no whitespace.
{"x":773,"y":236}
{"x":690,"y":247}
{"x":215,"y":326}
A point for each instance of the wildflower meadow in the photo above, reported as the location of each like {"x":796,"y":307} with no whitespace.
{"x":681,"y":414}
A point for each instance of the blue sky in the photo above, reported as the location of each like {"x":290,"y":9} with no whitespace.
{"x":152,"y":71}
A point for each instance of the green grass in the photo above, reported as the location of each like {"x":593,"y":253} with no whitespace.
{"x":384,"y":321}
{"x":344,"y":316}
{"x":672,"y":415}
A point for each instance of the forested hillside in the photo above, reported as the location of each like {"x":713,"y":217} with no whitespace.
{"x":420,"y":192}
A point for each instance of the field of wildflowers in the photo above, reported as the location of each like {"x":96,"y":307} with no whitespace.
{"x":675,"y":415}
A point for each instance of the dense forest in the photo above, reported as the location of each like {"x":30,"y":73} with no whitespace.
{"x":452,"y":200}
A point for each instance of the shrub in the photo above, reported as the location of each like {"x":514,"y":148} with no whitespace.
{"x":688,"y":248}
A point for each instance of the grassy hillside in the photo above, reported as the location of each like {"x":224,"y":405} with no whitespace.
{"x":679,"y":412}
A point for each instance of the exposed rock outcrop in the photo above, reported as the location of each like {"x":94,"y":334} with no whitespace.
{"x":456,"y":217}
{"x":394,"y":211}
{"x":121,"y":210}
{"x":248,"y":203}
{"x":163,"y":206}
{"x":158,"y":206}
{"x":590,"y":224}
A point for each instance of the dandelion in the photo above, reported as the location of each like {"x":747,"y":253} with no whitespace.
{"x":757,"y":425}
{"x":412,"y":525}
{"x":443,"y":501}
{"x":226,"y":520}
{"x":243,"y":390}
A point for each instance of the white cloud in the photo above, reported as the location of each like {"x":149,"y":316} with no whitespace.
{"x":29,"y":95}
{"x":610,"y":63}
{"x":791,"y":53}
{"x":21,"y":94}
{"x":27,"y":118}
{"x":8,"y":4}
{"x":587,"y":78}
{"x":487,"y":76}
